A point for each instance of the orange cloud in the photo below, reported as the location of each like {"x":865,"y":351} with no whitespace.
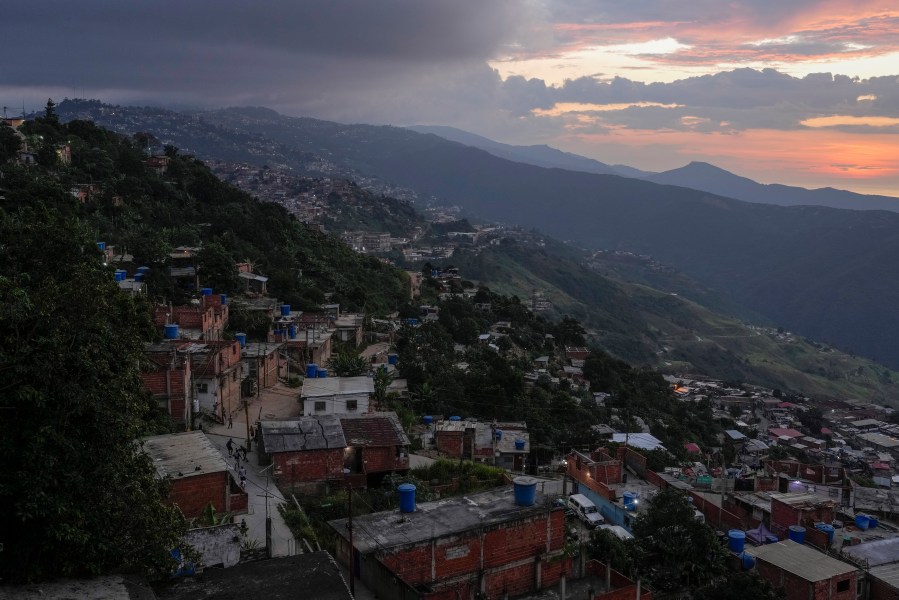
{"x":561,"y":108}
{"x":838,"y":120}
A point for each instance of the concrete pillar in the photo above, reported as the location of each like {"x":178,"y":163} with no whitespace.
{"x":638,"y":589}
{"x":538,"y":569}
{"x":562,"y":587}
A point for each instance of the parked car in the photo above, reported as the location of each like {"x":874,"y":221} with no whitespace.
{"x":585,"y":510}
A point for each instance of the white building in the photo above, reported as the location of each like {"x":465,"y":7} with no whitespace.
{"x":336,"y":395}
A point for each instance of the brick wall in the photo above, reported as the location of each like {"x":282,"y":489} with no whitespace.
{"x":796,"y":588}
{"x":783,"y":515}
{"x":383,"y":460}
{"x":308,"y":466}
{"x":623,"y":588}
{"x":192,"y":494}
{"x":172,"y":387}
{"x":881,"y":590}
{"x":450,"y":443}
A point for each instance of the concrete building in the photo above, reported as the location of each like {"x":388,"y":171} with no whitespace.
{"x":459,"y":547}
{"x":262,"y":362}
{"x":880,"y":559}
{"x":199,"y":475}
{"x":169,"y":379}
{"x":805,"y":573}
{"x":217,"y":376}
{"x":802,"y":509}
{"x":336,"y":395}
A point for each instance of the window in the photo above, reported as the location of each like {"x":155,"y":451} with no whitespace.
{"x":351,"y":405}
{"x":202,"y":388}
{"x":843,"y":586}
{"x":320,"y":406}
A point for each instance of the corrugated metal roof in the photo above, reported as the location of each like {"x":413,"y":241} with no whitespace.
{"x":333,"y":386}
{"x":373,"y":429}
{"x":185,"y":454}
{"x":800,"y":560}
{"x":306,"y":433}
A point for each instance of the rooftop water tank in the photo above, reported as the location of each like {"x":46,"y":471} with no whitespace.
{"x":171,"y":332}
{"x":872,"y":522}
{"x":322,"y":373}
{"x":311,"y":370}
{"x":292,"y":331}
{"x":747,"y":561}
{"x":455,"y":418}
{"x":392,"y":359}
{"x":525,"y":490}
{"x":138,"y":277}
{"x":242,"y":338}
{"x":519,"y":444}
{"x":407,"y":497}
{"x":862,"y":522}
{"x":224,"y":299}
{"x":427,"y":419}
{"x":736,"y":540}
{"x":499,"y":434}
{"x":797,"y":534}
{"x":828,"y":529}
{"x":285,"y":310}
{"x":143,"y":269}
{"x":101,"y":246}
{"x":205,"y":291}
{"x":121,"y":274}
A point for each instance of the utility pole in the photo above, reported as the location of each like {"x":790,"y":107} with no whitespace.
{"x":246,"y":415}
{"x":352,"y":551}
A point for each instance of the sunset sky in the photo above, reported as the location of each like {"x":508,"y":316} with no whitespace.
{"x":798,"y":92}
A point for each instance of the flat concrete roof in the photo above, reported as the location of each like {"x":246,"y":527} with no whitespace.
{"x":803,"y":561}
{"x":433,"y":520}
{"x":335,"y":386}
{"x":879,"y":552}
{"x":321,"y":432}
{"x":889,"y":574}
{"x":879,"y":439}
{"x":107,"y":587}
{"x":314,"y":575}
{"x":178,"y":455}
{"x":801,"y":500}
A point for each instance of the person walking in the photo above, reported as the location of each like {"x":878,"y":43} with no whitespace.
{"x":230,"y":446}
{"x":230,"y":422}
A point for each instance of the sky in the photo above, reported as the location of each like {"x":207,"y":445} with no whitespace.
{"x":798,"y":92}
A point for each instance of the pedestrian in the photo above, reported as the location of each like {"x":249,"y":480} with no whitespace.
{"x":230,"y":446}
{"x":243,"y":482}
{"x":237,"y":463}
{"x":243,"y":451}
{"x":230,"y":422}
{"x":242,"y":472}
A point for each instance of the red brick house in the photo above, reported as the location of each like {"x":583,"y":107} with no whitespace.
{"x":376,"y":444}
{"x":168,"y":378}
{"x":198,"y":473}
{"x":304,"y":452}
{"x":805,"y":573}
{"x":203,"y":321}
{"x":457,"y":548}
{"x":217,"y":376}
{"x":803,"y":509}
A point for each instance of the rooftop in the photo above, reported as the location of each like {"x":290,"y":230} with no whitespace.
{"x":314,"y":575}
{"x":333,"y":386}
{"x":644,"y":441}
{"x":178,"y":455}
{"x":801,"y":500}
{"x":435,"y":520}
{"x":107,"y":587}
{"x":803,"y":561}
{"x":304,"y":433}
{"x":884,"y":441}
{"x":373,"y":429}
{"x":880,"y":552}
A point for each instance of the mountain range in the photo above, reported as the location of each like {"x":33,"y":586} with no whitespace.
{"x":828,"y":274}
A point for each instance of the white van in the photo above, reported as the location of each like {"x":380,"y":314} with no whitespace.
{"x":585,"y":510}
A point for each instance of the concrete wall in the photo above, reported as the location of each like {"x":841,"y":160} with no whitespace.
{"x":336,"y":404}
{"x":218,"y":546}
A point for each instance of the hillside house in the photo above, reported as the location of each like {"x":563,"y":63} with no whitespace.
{"x":262,"y":362}
{"x":217,"y":376}
{"x":376,"y":445}
{"x":183,"y":269}
{"x":336,"y":395}
{"x":205,"y":320}
{"x":169,"y":379}
{"x":304,"y":452}
{"x":197,"y":471}
{"x":805,"y":573}
{"x":458,"y":547}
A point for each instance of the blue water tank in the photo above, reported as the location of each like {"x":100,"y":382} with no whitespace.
{"x":206,"y":291}
{"x":143,"y":269}
{"x":224,"y":299}
{"x":311,"y":370}
{"x":412,"y":322}
{"x":455,"y":418}
{"x":242,"y":338}
{"x":872,"y":522}
{"x":322,"y":373}
{"x":292,"y":331}
{"x":519,"y":444}
{"x":171,"y":332}
{"x":120,"y":275}
{"x":736,"y":540}
{"x":499,"y":434}
{"x":392,"y":359}
{"x":862,"y":522}
{"x":630,"y":500}
{"x":138,"y":277}
{"x":828,"y":529}
{"x":797,"y":534}
{"x":747,"y":561}
{"x":427,"y":419}
{"x":525,"y":490}
{"x":407,"y":497}
{"x":285,"y":310}
{"x":101,"y":246}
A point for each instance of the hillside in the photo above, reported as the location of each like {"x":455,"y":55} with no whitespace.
{"x":709,"y":178}
{"x":825,"y":273}
{"x":674,"y":334}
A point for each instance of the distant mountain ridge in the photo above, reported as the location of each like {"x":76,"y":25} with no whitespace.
{"x":709,"y":178}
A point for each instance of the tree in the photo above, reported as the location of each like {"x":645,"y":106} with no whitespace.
{"x":9,"y":143}
{"x":738,"y":586}
{"x":77,"y":495}
{"x":50,"y":115}
{"x":348,"y":365}
{"x":674,"y":550}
